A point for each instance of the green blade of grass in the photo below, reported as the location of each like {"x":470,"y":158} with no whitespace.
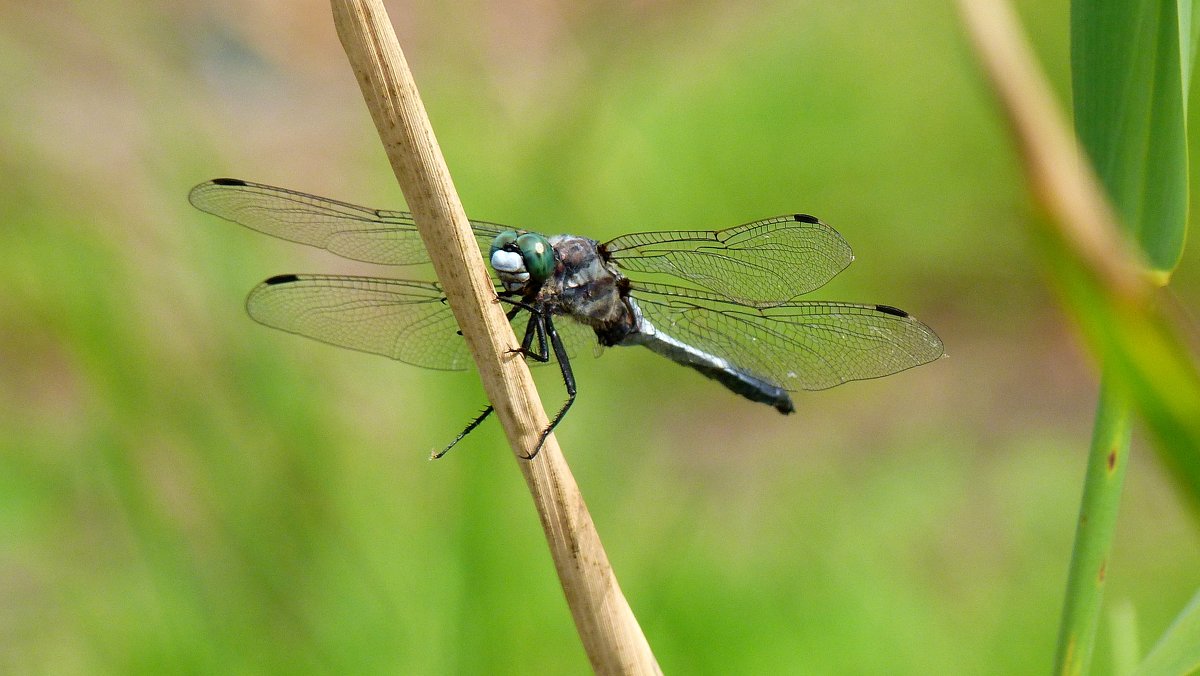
{"x":1178,"y":649}
{"x":1130,"y":86}
{"x":1189,"y":37}
{"x":1094,"y":273}
{"x":1144,"y":361}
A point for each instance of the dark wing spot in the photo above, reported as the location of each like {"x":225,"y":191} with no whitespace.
{"x":282,"y":279}
{"x":889,"y":310}
{"x":805,"y":218}
{"x":228,"y":181}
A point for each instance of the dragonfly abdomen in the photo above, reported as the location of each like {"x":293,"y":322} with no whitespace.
{"x":749,"y":386}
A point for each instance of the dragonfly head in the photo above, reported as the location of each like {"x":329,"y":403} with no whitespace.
{"x":520,"y":258}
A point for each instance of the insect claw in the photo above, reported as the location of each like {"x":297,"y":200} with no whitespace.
{"x":541,"y":442}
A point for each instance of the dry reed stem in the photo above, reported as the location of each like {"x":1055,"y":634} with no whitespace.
{"x":610,"y":634}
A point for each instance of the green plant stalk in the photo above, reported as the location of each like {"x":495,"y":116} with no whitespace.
{"x":1107,"y":461}
{"x":1129,"y":77}
{"x":1144,"y":360}
{"x":1139,"y":349}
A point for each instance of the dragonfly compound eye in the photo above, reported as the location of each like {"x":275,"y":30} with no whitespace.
{"x":507,"y":261}
{"x":538,"y":255}
{"x":502,"y":240}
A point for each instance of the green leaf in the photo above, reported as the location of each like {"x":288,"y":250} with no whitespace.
{"x":1130,"y":67}
{"x":1189,"y":36}
{"x":1131,"y":64}
{"x":1178,"y":650}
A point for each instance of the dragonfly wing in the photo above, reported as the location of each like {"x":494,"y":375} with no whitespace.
{"x":407,"y":321}
{"x":763,"y":263}
{"x":350,"y":231}
{"x":797,"y":346}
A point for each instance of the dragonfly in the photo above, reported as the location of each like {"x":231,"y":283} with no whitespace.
{"x":723,"y":302}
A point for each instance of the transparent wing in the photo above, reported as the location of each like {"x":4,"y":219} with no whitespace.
{"x":763,"y":263}
{"x":354,"y":232}
{"x":798,"y":346}
{"x":405,"y":320}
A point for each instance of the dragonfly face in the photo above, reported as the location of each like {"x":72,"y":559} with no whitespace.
{"x":521,"y":259}
{"x":735,"y":319}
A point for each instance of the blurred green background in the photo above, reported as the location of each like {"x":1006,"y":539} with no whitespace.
{"x":182,"y":490}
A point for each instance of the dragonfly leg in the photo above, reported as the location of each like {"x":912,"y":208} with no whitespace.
{"x":564,"y":363}
{"x":536,"y":327}
{"x":474,"y":423}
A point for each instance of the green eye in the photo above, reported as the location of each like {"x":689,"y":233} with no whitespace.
{"x":538,"y":256}
{"x":503,"y":239}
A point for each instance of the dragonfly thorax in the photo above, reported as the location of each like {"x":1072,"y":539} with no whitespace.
{"x":589,"y":288}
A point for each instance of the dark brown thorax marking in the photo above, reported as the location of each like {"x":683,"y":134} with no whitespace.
{"x":628,"y":324}
{"x":588,"y":287}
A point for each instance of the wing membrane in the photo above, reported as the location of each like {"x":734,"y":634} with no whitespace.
{"x":763,"y":263}
{"x":799,"y":346}
{"x":350,"y":231}
{"x":405,"y":320}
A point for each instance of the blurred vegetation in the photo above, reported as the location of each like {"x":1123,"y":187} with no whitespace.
{"x":183,"y":490}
